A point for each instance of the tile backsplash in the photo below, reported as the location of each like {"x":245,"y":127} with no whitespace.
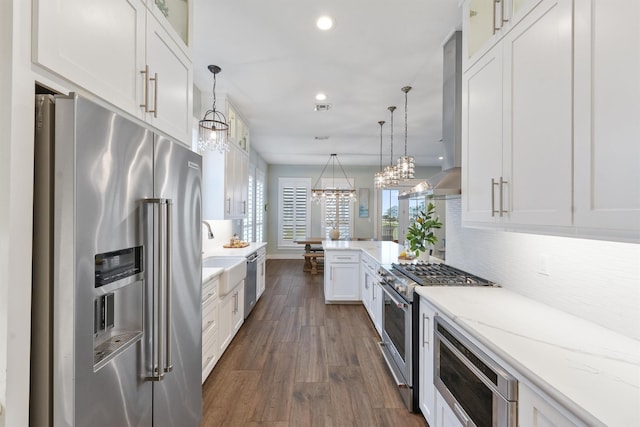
{"x":592,"y":279}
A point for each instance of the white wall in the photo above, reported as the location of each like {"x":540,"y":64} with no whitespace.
{"x":592,"y":279}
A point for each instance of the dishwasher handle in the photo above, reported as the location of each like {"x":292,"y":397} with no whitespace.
{"x":253,"y":257}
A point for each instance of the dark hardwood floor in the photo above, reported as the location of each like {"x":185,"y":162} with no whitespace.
{"x":299,"y":362}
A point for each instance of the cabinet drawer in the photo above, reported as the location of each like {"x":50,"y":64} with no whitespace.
{"x":209,"y":315}
{"x":209,"y":347}
{"x":342,"y":256}
{"x":210,"y":289}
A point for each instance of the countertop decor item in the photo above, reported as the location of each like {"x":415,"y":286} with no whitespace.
{"x":420,"y":233}
{"x":213,"y":129}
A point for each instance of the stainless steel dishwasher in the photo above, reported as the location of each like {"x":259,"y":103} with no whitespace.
{"x":250,"y":284}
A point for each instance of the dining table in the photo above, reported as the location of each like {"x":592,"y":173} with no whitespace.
{"x":310,"y":245}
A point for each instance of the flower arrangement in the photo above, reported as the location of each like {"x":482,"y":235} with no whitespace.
{"x":420,"y":232}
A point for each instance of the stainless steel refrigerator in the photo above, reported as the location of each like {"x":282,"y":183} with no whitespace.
{"x":117,"y":272}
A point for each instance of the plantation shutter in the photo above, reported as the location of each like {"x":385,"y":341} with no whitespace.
{"x":294,"y":210}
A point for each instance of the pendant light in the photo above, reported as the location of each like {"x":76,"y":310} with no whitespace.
{"x":378,"y":178}
{"x":213,"y":129}
{"x":391,"y":172}
{"x":319,"y":193}
{"x":406,"y":163}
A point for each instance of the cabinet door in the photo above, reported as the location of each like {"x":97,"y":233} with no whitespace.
{"x":343,"y":282}
{"x":444,"y":416}
{"x":377,"y":304}
{"x":238,"y":313}
{"x":536,"y":411}
{"x":481,"y":136}
{"x":96,"y":44}
{"x":261,"y":284}
{"x":479,"y":21}
{"x":241,"y":184}
{"x":225,"y":328}
{"x":607,"y":107}
{"x":537,"y":156}
{"x":427,"y":390}
{"x":170,"y":95}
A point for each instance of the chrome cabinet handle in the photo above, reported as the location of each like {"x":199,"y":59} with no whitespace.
{"x":425,"y":329}
{"x":493,"y":197}
{"x":461,"y":414}
{"x":494,"y":16}
{"x":145,"y":105}
{"x":155,"y":95}
{"x":502,"y":210}
{"x":228,"y":205}
{"x":502,"y":13}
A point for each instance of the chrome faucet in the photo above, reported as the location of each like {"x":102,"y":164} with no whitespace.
{"x":210,"y":234}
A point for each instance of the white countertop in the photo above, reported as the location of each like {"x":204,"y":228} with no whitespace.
{"x":592,"y":371}
{"x":241,"y":252}
{"x":210,"y":272}
{"x":385,"y":252}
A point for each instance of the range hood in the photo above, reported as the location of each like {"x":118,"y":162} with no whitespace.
{"x":448,"y":182}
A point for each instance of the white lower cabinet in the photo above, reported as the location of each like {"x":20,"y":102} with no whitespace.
{"x":536,"y":410}
{"x":427,"y":388}
{"x":444,"y":415}
{"x":261,"y":281}
{"x":370,"y":291}
{"x":231,"y":315}
{"x":210,"y":322}
{"x":342,"y":276}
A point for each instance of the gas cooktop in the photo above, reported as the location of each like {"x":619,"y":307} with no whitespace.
{"x":432,"y":274}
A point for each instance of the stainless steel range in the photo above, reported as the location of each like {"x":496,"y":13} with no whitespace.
{"x":399,"y":316}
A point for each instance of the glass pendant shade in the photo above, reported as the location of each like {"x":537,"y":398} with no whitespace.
{"x":319,"y":193}
{"x":213,"y":129}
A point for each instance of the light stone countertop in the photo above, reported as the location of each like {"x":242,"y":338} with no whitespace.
{"x":590,"y":370}
{"x":385,"y":252}
{"x":240,"y":252}
{"x":211,"y":272}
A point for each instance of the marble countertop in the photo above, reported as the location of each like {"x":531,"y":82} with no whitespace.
{"x":385,"y":252}
{"x":592,"y":371}
{"x":241,"y":252}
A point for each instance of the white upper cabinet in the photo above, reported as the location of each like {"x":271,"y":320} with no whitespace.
{"x":106,"y":47}
{"x":517,"y":124}
{"x":607,"y":117}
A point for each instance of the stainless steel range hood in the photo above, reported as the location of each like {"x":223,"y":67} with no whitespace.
{"x":448,"y":182}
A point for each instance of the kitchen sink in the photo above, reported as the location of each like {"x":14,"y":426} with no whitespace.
{"x":235,"y":270}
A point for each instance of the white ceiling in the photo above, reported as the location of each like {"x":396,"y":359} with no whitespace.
{"x":274,"y":60}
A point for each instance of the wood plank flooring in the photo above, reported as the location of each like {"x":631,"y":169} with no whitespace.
{"x":299,"y":362}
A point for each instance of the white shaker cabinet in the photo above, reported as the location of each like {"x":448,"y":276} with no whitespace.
{"x":607,"y":112}
{"x":341,"y":276}
{"x":210,"y":321}
{"x":517,"y":147}
{"x":370,"y":291}
{"x":115,"y":49}
{"x":427,"y":388}
{"x":536,"y":410}
{"x":444,"y":415}
{"x":231,"y":315}
{"x":262,"y":273}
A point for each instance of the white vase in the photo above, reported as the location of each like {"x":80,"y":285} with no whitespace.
{"x":334,"y":234}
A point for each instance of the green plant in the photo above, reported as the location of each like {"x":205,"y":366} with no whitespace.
{"x":420,"y":232}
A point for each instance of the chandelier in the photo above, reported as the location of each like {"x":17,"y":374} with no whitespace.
{"x":318,"y":193}
{"x":406,"y":163}
{"x":378,"y":178}
{"x":391,"y":171}
{"x":213,"y":129}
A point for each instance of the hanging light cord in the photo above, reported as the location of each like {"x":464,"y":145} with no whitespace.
{"x":406,"y":90}
{"x":213,"y":107}
{"x":392,"y":109}
{"x":381,"y":122}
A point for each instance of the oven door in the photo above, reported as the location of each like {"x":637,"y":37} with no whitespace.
{"x":396,"y":340}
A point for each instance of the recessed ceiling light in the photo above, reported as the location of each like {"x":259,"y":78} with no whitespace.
{"x":324,"y":23}
{"x":440,"y":158}
{"x":321,"y":96}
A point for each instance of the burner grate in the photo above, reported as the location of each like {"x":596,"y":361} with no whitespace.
{"x":431,"y":274}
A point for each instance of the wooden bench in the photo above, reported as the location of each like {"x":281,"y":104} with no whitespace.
{"x":315,"y":261}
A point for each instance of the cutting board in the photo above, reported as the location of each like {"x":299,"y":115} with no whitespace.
{"x":239,"y":246}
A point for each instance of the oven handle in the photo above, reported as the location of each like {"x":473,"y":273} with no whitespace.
{"x":399,"y":303}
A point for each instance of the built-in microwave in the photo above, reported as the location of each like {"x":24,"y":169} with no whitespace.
{"x":478,"y":390}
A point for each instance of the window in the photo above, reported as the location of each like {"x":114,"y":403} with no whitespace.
{"x":249,"y":222}
{"x":389,"y":214}
{"x":293,"y":210}
{"x":259,"y":210}
{"x":345,"y":207}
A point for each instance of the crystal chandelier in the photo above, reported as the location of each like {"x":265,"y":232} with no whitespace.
{"x":378,"y":178}
{"x":213,"y":129}
{"x":318,"y":193}
{"x":406,"y":163}
{"x":391,"y":171}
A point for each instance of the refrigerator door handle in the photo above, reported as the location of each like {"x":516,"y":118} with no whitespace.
{"x":168,"y":284}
